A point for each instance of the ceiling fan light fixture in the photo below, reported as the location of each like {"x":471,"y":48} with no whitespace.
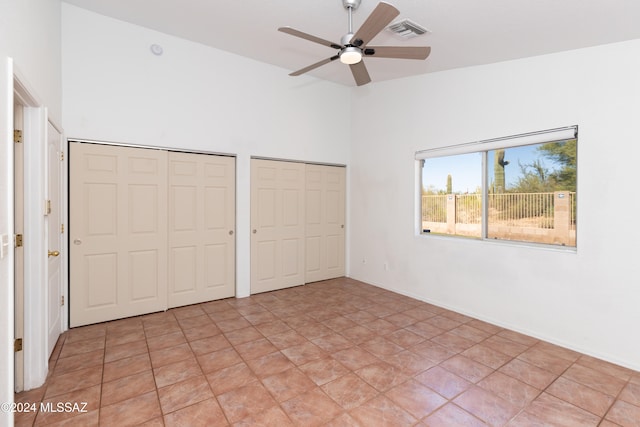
{"x":350,"y":55}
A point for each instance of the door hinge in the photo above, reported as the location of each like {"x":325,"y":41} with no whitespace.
{"x":47,"y":209}
{"x":18,"y":241}
{"x":61,"y":228}
{"x":62,"y":156}
{"x":17,"y":345}
{"x":62,"y":300}
{"x":17,"y":136}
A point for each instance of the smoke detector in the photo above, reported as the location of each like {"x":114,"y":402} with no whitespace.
{"x":407,"y":29}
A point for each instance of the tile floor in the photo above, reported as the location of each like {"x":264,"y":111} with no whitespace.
{"x":338,"y":353}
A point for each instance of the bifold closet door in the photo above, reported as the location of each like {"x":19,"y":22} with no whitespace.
{"x":277,"y":225}
{"x":201,"y":218}
{"x":325,"y":222}
{"x":118,"y":232}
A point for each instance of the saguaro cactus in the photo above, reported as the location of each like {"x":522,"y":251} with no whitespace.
{"x":498,"y":171}
{"x":449,"y":184}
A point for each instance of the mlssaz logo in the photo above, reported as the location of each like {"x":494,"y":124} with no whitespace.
{"x":63,"y":407}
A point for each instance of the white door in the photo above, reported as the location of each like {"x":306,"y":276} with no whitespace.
{"x":277,"y":225}
{"x":201,"y":228}
{"x":324,"y":222}
{"x":118,"y":232}
{"x":53,"y":227}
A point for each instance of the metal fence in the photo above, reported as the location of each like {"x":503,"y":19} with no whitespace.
{"x":434,"y":208}
{"x":534,"y":210}
{"x":468,"y":208}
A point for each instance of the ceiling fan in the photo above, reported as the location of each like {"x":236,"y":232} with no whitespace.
{"x":353,"y":47}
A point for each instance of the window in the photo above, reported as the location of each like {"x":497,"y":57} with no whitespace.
{"x":520,"y":188}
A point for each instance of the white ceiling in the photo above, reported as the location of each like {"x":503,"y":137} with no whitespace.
{"x":463,"y":32}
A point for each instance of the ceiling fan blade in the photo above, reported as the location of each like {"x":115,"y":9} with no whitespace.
{"x":313,"y":66}
{"x":297,"y":33}
{"x":401,"y":52}
{"x":360,"y":73}
{"x":381,"y":16}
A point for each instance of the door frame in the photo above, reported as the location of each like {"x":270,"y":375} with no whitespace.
{"x":35,"y":345}
{"x":18,"y":254}
{"x":7,"y":273}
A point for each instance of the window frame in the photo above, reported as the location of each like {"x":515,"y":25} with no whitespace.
{"x":483,"y":147}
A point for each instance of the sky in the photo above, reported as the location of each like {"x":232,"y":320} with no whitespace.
{"x":466,"y":169}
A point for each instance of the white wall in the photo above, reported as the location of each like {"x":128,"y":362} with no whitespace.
{"x":197,"y":98}
{"x":30,"y":40}
{"x":30,"y":34}
{"x":589,"y":300}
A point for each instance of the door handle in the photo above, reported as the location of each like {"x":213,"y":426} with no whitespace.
{"x":53,"y":253}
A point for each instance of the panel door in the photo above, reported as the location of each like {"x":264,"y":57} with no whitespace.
{"x":201,"y":218}
{"x":118,"y":232}
{"x":324,"y":222}
{"x":277,"y":225}
{"x":54,"y":230}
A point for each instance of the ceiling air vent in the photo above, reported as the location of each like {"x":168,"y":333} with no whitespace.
{"x":407,"y":29}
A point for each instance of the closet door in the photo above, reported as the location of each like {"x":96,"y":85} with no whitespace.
{"x":201,"y":228}
{"x":325,"y":220}
{"x":277,"y":225}
{"x":118,"y":232}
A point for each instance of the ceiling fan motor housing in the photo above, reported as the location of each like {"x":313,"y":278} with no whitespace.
{"x":346,"y":39}
{"x":353,"y":4}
